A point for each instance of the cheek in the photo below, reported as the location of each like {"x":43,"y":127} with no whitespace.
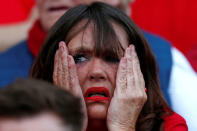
{"x":82,"y":73}
{"x":112,"y":72}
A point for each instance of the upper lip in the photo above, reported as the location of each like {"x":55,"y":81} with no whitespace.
{"x":97,"y":90}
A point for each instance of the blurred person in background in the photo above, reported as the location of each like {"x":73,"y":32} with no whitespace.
{"x":16,"y":61}
{"x":16,"y":18}
{"x":34,"y":105}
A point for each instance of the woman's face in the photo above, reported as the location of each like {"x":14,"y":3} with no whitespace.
{"x":95,"y":74}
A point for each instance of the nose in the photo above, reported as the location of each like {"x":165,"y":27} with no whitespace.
{"x":97,"y":70}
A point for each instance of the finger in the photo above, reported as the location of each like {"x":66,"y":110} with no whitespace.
{"x":121,"y":80}
{"x":137,"y":71}
{"x":55,"y":68}
{"x":128,"y":52}
{"x":130,"y":71}
{"x":131,"y":88}
{"x":64,"y":66}
{"x":59,"y":68}
{"x":74,"y":81}
{"x":64,"y":71}
{"x":64,"y":47}
{"x":130,"y":75}
{"x":138,"y":77}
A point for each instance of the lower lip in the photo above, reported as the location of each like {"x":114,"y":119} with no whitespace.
{"x":97,"y":98}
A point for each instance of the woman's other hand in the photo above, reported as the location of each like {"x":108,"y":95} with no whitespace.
{"x":65,"y":75}
{"x":129,"y":94}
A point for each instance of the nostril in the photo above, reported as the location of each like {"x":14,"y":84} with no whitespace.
{"x":98,"y":78}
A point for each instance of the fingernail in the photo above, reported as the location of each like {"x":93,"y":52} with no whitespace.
{"x":145,"y":89}
{"x":132,"y":47}
{"x":61,"y":45}
{"x":127,"y":53}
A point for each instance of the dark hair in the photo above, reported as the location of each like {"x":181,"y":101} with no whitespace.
{"x":27,"y":98}
{"x":107,"y":43}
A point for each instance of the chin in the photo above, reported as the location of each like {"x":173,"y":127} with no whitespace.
{"x":97,"y":111}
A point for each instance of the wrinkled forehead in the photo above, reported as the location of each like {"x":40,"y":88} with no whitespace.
{"x":111,"y":39}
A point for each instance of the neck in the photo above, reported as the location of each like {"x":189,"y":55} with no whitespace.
{"x":96,"y":125}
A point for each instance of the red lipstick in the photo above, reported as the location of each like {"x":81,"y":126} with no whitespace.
{"x":97,"y":94}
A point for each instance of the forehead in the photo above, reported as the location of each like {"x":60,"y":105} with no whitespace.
{"x":85,"y":38}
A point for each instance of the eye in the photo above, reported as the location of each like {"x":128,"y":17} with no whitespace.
{"x":80,"y":58}
{"x":112,"y":59}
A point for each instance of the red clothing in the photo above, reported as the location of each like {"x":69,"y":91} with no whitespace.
{"x":174,"y":123}
{"x":36,"y":38}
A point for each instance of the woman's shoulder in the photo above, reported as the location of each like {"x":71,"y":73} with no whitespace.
{"x":174,"y":122}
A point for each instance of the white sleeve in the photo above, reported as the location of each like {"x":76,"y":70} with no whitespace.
{"x":183,"y":89}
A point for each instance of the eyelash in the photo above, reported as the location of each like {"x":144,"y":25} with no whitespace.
{"x":79,"y":58}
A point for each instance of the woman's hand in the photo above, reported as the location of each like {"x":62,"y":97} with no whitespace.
{"x":65,"y":75}
{"x":129,"y":94}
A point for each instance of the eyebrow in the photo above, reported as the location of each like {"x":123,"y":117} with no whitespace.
{"x":81,"y":49}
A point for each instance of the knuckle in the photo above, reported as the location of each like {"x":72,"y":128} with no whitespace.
{"x":129,"y":59}
{"x":130,"y":71}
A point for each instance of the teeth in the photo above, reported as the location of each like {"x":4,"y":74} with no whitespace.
{"x":97,"y":94}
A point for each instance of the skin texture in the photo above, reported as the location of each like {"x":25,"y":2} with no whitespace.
{"x":49,"y":10}
{"x":124,"y":81}
{"x":40,"y":122}
{"x":129,"y":94}
{"x":65,"y":75}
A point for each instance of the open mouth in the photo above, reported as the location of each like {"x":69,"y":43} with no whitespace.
{"x":59,"y":8}
{"x":97,"y":94}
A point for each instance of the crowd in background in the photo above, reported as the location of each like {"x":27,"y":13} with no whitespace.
{"x":171,"y":20}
